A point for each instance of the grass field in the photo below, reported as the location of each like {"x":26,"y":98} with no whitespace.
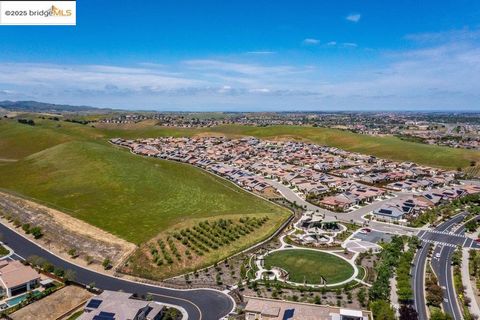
{"x":72,"y":167}
{"x":133,"y":197}
{"x":17,"y":141}
{"x":3,"y":251}
{"x":310,"y":266}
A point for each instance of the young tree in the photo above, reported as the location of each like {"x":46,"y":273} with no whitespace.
{"x":106,"y":263}
{"x":382,"y":310}
{"x":407,"y":312}
{"x":434,"y":295}
{"x":70,"y":275}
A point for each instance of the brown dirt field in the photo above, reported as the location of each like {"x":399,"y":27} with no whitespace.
{"x":55,"y":305}
{"x":63,"y":232}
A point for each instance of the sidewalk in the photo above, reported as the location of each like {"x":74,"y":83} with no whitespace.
{"x":474,"y":309}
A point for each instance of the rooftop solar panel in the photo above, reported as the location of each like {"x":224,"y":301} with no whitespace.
{"x":104,"y":316}
{"x":94,"y":303}
{"x":288,"y":314}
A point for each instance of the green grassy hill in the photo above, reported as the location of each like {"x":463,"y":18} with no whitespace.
{"x":133,"y":197}
{"x":18,"y":141}
{"x":72,"y":166}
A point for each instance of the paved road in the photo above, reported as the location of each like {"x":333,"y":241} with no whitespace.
{"x":447,"y":236}
{"x":443,"y":269}
{"x":442,"y":232}
{"x":418,"y":281}
{"x":355,"y":216}
{"x":201,"y":304}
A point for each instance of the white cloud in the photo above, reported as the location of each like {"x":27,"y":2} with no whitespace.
{"x":350,"y":44}
{"x":443,"y":74}
{"x":354,"y":17}
{"x":311,"y":41}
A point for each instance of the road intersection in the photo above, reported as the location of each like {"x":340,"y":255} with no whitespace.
{"x":446,"y":238}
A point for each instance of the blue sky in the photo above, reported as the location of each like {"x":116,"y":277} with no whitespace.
{"x":251,"y":55}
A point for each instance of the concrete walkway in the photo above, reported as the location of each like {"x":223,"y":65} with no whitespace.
{"x":474,"y":308}
{"x":393,"y":295}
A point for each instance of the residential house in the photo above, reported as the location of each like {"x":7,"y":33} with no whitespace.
{"x":17,"y":278}
{"x":113,"y":305}
{"x":263,"y":309}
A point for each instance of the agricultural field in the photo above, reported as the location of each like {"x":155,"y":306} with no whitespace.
{"x":310,"y":266}
{"x":197,"y":245}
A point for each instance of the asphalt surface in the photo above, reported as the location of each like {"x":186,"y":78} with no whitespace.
{"x":442,"y":265}
{"x":354,"y":216}
{"x":418,"y":278}
{"x":446,"y":237}
{"x":201,"y":304}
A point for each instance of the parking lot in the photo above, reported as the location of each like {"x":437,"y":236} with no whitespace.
{"x":373,"y":236}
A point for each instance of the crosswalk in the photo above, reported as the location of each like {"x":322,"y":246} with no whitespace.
{"x":447,"y":239}
{"x":446,"y":244}
{"x":451,"y":233}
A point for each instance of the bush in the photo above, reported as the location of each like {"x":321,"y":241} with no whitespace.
{"x":36,"y":232}
{"x":70,"y":275}
{"x":58,"y":272}
{"x":48,"y":267}
{"x":26,"y":228}
{"x":106,"y":264}
{"x":72,"y":253}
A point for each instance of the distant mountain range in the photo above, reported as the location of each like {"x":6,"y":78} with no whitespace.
{"x":35,"y":106}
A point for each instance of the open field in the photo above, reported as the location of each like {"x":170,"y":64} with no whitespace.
{"x":54,"y":132}
{"x":129,"y":196}
{"x":72,"y":168}
{"x":310,"y":266}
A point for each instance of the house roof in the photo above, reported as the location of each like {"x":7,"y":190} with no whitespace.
{"x":14,"y":274}
{"x":118,"y":305}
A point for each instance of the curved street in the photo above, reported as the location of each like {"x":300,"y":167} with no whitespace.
{"x":354,"y":216}
{"x":200,"y":304}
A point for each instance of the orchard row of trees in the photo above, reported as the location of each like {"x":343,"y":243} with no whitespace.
{"x":203,"y":238}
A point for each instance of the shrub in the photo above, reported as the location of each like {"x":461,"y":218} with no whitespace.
{"x":26,"y":228}
{"x":36,"y":232}
{"x":106,"y":264}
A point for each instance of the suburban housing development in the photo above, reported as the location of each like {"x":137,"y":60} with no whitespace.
{"x":329,"y":177}
{"x":239,"y":160}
